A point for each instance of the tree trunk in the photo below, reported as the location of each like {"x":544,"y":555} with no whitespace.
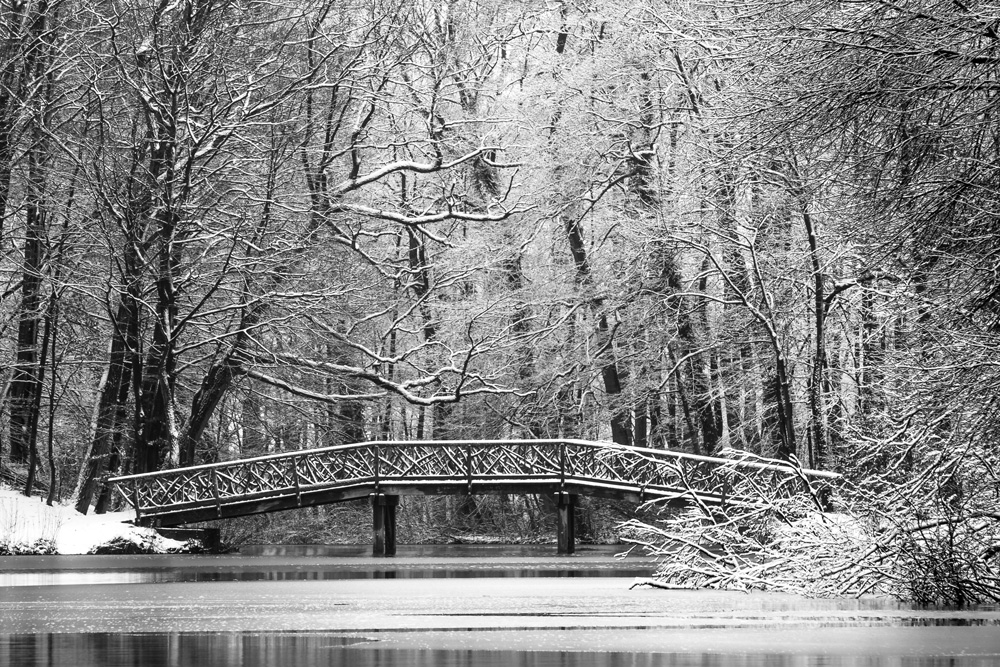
{"x":621,"y":428}
{"x":12,"y":81}
{"x":817,"y":410}
{"x":25,"y":382}
{"x":53,"y":318}
{"x":786,"y":415}
{"x":217,"y":382}
{"x":158,"y":437}
{"x":869,"y":353}
{"x":110,"y":414}
{"x":642,"y":425}
{"x":692,"y":429}
{"x":25,"y":388}
{"x":524,"y":359}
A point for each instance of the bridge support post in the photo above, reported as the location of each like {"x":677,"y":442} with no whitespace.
{"x":384,"y":524}
{"x":566,"y":523}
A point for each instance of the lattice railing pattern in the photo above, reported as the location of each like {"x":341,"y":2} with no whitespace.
{"x":517,"y":460}
{"x":654,"y":472}
{"x":423,"y":461}
{"x":646,"y":468}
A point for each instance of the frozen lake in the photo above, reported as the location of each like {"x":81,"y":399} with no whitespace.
{"x":442,"y":606}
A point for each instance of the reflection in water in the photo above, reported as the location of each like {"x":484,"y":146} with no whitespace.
{"x":485,"y":551}
{"x":309,"y":650}
{"x":324,"y":562}
{"x":315,"y":573}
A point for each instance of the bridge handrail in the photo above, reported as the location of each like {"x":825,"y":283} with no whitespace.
{"x":455,"y":464}
{"x":761,"y":463}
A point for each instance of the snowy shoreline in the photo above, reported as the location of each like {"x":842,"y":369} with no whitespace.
{"x":29,"y":526}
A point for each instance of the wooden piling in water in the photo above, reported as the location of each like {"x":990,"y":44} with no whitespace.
{"x":566,"y":522}
{"x":384,"y":524}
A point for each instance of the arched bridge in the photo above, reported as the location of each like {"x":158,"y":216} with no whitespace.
{"x":385,"y":470}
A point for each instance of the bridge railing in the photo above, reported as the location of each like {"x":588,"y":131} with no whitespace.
{"x":651,"y":472}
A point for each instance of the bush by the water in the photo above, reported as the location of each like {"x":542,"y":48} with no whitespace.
{"x":40,"y":547}
{"x":904,"y":539}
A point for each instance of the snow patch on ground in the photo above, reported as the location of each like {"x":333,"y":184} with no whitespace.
{"x":26,"y":523}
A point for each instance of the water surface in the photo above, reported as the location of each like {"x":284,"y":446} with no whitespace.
{"x":855,"y":647}
{"x":482,"y":606}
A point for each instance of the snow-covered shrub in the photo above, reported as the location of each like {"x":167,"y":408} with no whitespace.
{"x":896,"y":533}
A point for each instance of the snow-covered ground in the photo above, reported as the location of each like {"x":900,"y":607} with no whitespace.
{"x":26,"y":523}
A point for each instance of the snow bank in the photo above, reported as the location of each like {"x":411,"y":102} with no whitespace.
{"x":28,"y":524}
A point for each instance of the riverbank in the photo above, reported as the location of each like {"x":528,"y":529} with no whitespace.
{"x":30,"y":527}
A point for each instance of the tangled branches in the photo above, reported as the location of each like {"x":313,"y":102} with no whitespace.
{"x":887,"y":537}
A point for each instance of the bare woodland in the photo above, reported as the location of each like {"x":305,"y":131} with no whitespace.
{"x":231,"y":227}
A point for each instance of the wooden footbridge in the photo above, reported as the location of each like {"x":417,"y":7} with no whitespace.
{"x":383,"y":471}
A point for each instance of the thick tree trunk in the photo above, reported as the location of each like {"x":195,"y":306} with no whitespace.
{"x":25,"y":382}
{"x":110,"y":415}
{"x":786,"y":416}
{"x":641,"y":433}
{"x":11,"y":94}
{"x":225,"y":372}
{"x":621,"y":427}
{"x":25,"y":389}
{"x":158,"y":436}
{"x":214,"y":386}
{"x":708,"y":407}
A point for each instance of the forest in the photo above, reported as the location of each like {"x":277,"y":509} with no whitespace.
{"x":235,"y":227}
